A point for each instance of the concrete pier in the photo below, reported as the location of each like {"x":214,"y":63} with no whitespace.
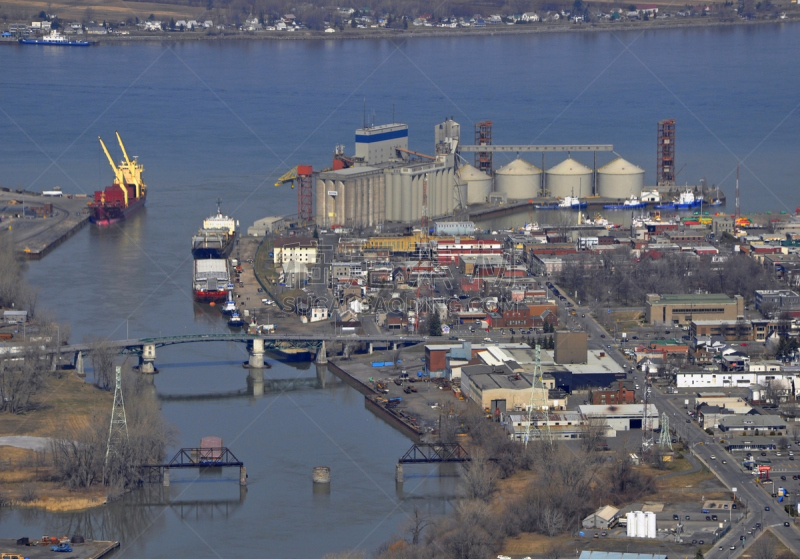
{"x":255,"y":381}
{"x":322,"y":369}
{"x":322,"y":354}
{"x":165,"y":481}
{"x":321,"y":474}
{"x":148,"y":359}
{"x":370,"y":348}
{"x":242,"y":476}
{"x":256,"y":360}
{"x":398,"y":473}
{"x":79,"y":365}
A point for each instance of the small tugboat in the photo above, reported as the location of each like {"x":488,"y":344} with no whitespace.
{"x":632,"y":203}
{"x":235,"y":321}
{"x":230,"y":305}
{"x":571,"y":203}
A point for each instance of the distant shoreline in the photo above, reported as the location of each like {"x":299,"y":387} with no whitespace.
{"x":413,"y":33}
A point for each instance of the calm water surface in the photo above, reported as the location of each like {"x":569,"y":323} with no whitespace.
{"x":224,"y":119}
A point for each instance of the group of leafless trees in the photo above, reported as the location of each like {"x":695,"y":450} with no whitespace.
{"x":79,"y":452}
{"x":615,"y":278}
{"x":570,"y":482}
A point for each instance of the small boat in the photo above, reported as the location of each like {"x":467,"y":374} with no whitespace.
{"x":630,"y":204}
{"x":235,"y":321}
{"x":56,"y":39}
{"x":715,"y":203}
{"x":230,"y":305}
{"x":686,"y":201}
{"x":571,"y":203}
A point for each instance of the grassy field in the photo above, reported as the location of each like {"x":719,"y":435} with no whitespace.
{"x":78,"y":10}
{"x":24,"y":476}
{"x":68,"y":400}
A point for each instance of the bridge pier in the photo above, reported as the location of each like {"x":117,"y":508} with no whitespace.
{"x":394,"y":346}
{"x":322,"y":369}
{"x":255,"y":381}
{"x":165,"y":478}
{"x":148,"y":359}
{"x":370,"y":348}
{"x":79,"y":364}
{"x":243,"y":476}
{"x":322,"y":353}
{"x":398,"y":473}
{"x":256,"y":354}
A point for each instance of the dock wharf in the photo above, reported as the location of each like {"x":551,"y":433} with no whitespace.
{"x":37,"y":223}
{"x":90,"y":549}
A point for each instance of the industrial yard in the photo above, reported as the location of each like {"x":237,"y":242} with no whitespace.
{"x":40,"y":223}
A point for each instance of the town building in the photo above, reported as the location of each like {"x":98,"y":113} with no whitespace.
{"x":623,"y":393}
{"x":683,"y":308}
{"x":296,"y":249}
{"x":761,"y":423}
{"x":774,"y":302}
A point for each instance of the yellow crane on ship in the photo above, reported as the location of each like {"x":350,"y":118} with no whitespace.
{"x":126,"y":172}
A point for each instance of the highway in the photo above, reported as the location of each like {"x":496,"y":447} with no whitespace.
{"x":704,"y":446}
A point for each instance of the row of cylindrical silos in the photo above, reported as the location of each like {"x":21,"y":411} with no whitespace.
{"x":520,"y":180}
{"x":406,"y":191}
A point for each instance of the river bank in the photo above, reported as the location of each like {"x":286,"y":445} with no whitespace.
{"x":414,"y":33}
{"x":26,"y":473}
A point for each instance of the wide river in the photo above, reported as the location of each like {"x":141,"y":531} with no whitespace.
{"x":223,"y":119}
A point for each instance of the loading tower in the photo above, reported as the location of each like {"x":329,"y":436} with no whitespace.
{"x":665,"y":148}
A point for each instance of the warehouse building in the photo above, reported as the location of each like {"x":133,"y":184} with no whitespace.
{"x":626,"y":417}
{"x":684,"y":308}
{"x":602,"y":519}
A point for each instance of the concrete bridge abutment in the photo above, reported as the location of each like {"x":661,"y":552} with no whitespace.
{"x":147,"y":361}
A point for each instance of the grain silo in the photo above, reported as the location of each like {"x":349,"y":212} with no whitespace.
{"x":479,"y":185}
{"x":620,"y":179}
{"x":568,"y":178}
{"x":519,"y":180}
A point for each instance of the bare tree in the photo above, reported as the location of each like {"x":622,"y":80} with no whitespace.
{"x":593,"y":433}
{"x":417,"y":522}
{"x":557,"y":551}
{"x":102,"y":356}
{"x":764,"y":548}
{"x":783,"y":443}
{"x":21,"y":378}
{"x":480,"y":475}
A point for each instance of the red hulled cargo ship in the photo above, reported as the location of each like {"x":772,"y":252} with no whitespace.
{"x":125,"y":196}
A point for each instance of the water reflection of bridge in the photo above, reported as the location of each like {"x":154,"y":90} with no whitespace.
{"x":268,"y":386}
{"x":258,"y":385}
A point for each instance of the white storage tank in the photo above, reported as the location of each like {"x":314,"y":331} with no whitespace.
{"x":519,"y":180}
{"x":650,"y":520}
{"x":631,"y":525}
{"x":620,"y":179}
{"x":641,"y":525}
{"x":479,"y":185}
{"x":569,"y":178}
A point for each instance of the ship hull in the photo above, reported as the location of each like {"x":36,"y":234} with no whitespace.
{"x":624,"y":206}
{"x":210,"y":296}
{"x":104,"y":215}
{"x":54,"y":43}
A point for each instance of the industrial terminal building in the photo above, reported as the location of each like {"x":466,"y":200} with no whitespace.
{"x":385,"y":181}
